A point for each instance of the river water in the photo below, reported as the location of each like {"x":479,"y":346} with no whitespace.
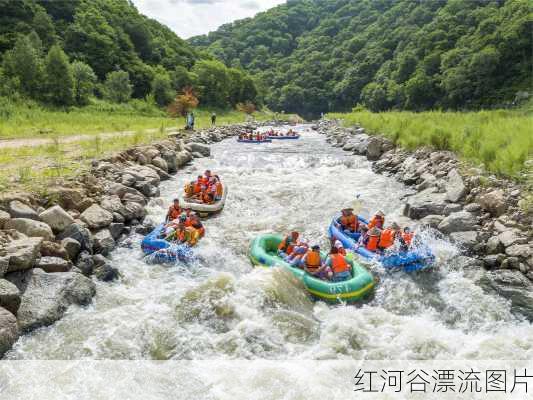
{"x":222,"y":308}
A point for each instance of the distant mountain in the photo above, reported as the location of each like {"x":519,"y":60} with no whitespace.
{"x":319,"y":55}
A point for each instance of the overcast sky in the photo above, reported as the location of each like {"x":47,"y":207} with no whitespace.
{"x":195,"y":17}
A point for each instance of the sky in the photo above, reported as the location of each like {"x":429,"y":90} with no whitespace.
{"x":196,"y":17}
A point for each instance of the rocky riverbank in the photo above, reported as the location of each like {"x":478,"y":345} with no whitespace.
{"x":479,"y":212}
{"x":52,"y":247}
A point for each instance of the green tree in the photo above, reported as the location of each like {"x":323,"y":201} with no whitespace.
{"x":59,"y":82}
{"x":84,"y":81}
{"x":118,"y":87}
{"x":162,"y":89}
{"x":24,"y":65}
{"x":213,"y":83}
{"x":44,"y":26}
{"x":182,"y":78}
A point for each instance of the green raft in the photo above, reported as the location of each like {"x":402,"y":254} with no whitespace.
{"x":263,"y":252}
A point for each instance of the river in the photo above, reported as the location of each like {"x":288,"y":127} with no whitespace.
{"x":223,"y":308}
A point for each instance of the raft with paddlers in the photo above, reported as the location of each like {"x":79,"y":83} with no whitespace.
{"x":264,"y":252}
{"x":162,"y":251}
{"x":284,"y":137}
{"x":203,"y":209}
{"x":411,"y":260}
{"x":254,"y":141}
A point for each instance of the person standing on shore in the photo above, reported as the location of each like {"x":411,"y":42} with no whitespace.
{"x":213,"y":119}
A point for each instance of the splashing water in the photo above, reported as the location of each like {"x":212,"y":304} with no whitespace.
{"x":219,"y":307}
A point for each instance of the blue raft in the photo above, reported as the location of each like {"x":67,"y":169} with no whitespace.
{"x":254,"y":141}
{"x":161,"y":251}
{"x":409,"y":261}
{"x":284,"y":137}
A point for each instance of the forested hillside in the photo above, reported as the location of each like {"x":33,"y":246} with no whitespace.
{"x":63,"y":51}
{"x":319,"y":55}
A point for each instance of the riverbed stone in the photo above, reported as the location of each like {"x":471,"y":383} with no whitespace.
{"x":69,"y":198}
{"x":493,"y":201}
{"x":57,"y":218}
{"x":85,"y":263}
{"x":72,"y":247}
{"x":103,"y":242}
{"x":134,"y":198}
{"x":518,"y":250}
{"x":203,"y":149}
{"x":432,"y":221}
{"x":160,"y":163}
{"x":9,"y":296}
{"x":30,"y":227}
{"x":17,"y":209}
{"x":467,"y":240}
{"x":46,"y":296}
{"x":143,"y":173}
{"x":494,"y":245}
{"x":133,"y":210}
{"x":8,"y":330}
{"x":116,"y":229}
{"x":79,"y":233}
{"x":54,"y":264}
{"x":128,"y":180}
{"x":4,"y":217}
{"x":112,"y":204}
{"x":4,"y":265}
{"x":22,"y":253}
{"x":473,"y":208}
{"x":427,"y":202}
{"x":458,"y":222}
{"x":106,"y":273}
{"x":455,"y":187}
{"x":182,"y":158}
{"x":510,"y":237}
{"x":452,"y":208}
{"x":374,"y":148}
{"x":96,"y":217}
{"x":493,"y":261}
{"x":53,"y":249}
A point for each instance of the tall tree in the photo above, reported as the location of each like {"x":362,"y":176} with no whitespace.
{"x":84,"y":81}
{"x":118,"y":86}
{"x":59,"y":82}
{"x":23,"y":64}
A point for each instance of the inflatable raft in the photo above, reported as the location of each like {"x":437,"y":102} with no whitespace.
{"x":204,"y":210}
{"x":161,"y":251}
{"x":284,"y":137}
{"x":263,"y":252}
{"x":409,"y":261}
{"x":254,"y":141}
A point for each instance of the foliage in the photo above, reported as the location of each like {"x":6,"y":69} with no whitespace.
{"x":59,"y":81}
{"x":248,"y":107}
{"x":84,"y":81}
{"x":183,"y":103}
{"x":162,"y":89}
{"x":317,"y":55}
{"x":480,"y":137}
{"x":118,"y":87}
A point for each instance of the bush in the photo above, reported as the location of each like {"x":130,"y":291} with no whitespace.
{"x":162,"y":89}
{"x":247,"y":107}
{"x":118,"y":87}
{"x":183,"y":103}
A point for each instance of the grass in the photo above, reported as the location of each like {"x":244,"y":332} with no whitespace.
{"x":500,"y":140}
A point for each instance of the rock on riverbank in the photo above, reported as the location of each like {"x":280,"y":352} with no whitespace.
{"x":51,"y":248}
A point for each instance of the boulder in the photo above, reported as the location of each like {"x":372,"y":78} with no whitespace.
{"x":466,"y":240}
{"x":118,"y":218}
{"x":57,"y":218}
{"x":134,"y":198}
{"x":96,"y":217}
{"x":494,"y":202}
{"x":518,"y":250}
{"x":9,"y":296}
{"x":142,"y":173}
{"x":452,"y":208}
{"x":432,"y":220}
{"x":69,"y":199}
{"x":8,"y":331}
{"x":160,"y":163}
{"x":120,"y":190}
{"x":474,"y":208}
{"x":128,"y":180}
{"x":106,"y":273}
{"x":455,"y":186}
{"x":53,"y":249}
{"x":22,"y":253}
{"x":54,"y":264}
{"x":103,"y":242}
{"x":133,"y":211}
{"x":510,"y":237}
{"x":4,"y":217}
{"x":116,"y":230}
{"x":112,"y":204}
{"x":170,"y":158}
{"x":85,"y":263}
{"x":79,"y":233}
{"x":72,"y":247}
{"x":46,"y":297}
{"x":458,"y":222}
{"x":494,"y":245}
{"x":374,"y":149}
{"x":146,"y":188}
{"x":4,"y":265}
{"x":203,"y":149}
{"x":18,"y":209}
{"x":493,"y":261}
{"x":425,"y":203}
{"x":182,"y":158}
{"x":30,"y":227}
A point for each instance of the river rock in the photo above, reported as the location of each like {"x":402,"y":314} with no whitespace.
{"x":473,"y":208}
{"x":112,"y":204}
{"x":22,"y":253}
{"x":54,"y":264}
{"x":467,"y":240}
{"x":494,"y":202}
{"x":31,"y":228}
{"x":493,"y":261}
{"x":9,"y":296}
{"x":96,"y":217}
{"x":455,"y":187}
{"x":170,"y":158}
{"x":106,"y":273}
{"x":518,"y":250}
{"x":57,"y":218}
{"x":46,"y":296}
{"x":69,"y":198}
{"x":18,"y":209}
{"x":146,"y":188}
{"x":53,"y":249}
{"x":142,"y":173}
{"x":4,"y":265}
{"x":373,"y":148}
{"x":432,"y":220}
{"x":425,"y":203}
{"x":72,"y":247}
{"x":8,"y":331}
{"x":458,"y":222}
{"x":510,"y":237}
{"x":103,"y":242}
{"x":452,"y":208}
{"x":133,"y":211}
{"x":134,"y":198}
{"x":128,"y":180}
{"x":79,"y":233}
{"x":163,"y":175}
{"x":85,"y":263}
{"x":4,"y":217}
{"x":160,"y":163}
{"x":494,"y":245}
{"x":151,"y":153}
{"x":512,"y":285}
{"x":116,"y":229}
{"x":118,"y":218}
{"x":203,"y":149}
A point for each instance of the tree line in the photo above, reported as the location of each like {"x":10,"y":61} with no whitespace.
{"x":64,"y":52}
{"x":314,"y":56}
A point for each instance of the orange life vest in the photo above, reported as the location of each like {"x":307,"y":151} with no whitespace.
{"x":387,"y":238}
{"x":377,"y":222}
{"x":313,"y":260}
{"x":200,"y":229}
{"x":350,"y":222}
{"x":206,"y":198}
{"x":188,"y":222}
{"x":372,"y":243}
{"x":174,"y":213}
{"x":218,"y":189}
{"x":198,"y":187}
{"x":189,"y":190}
{"x":286,"y":246}
{"x":407,"y":238}
{"x":338,"y":263}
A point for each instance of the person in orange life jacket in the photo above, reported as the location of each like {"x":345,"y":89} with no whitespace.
{"x":174,"y":211}
{"x":388,"y":236}
{"x":207,"y":198}
{"x":312,"y":263}
{"x":287,"y":245}
{"x":349,"y":222}
{"x":377,"y":221}
{"x":372,"y":239}
{"x":218,"y":188}
{"x":177,"y":234}
{"x":406,"y":239}
{"x":337,"y":244}
{"x":197,"y":224}
{"x":339,"y":267}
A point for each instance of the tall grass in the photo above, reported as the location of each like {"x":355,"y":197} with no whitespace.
{"x":500,"y":140}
